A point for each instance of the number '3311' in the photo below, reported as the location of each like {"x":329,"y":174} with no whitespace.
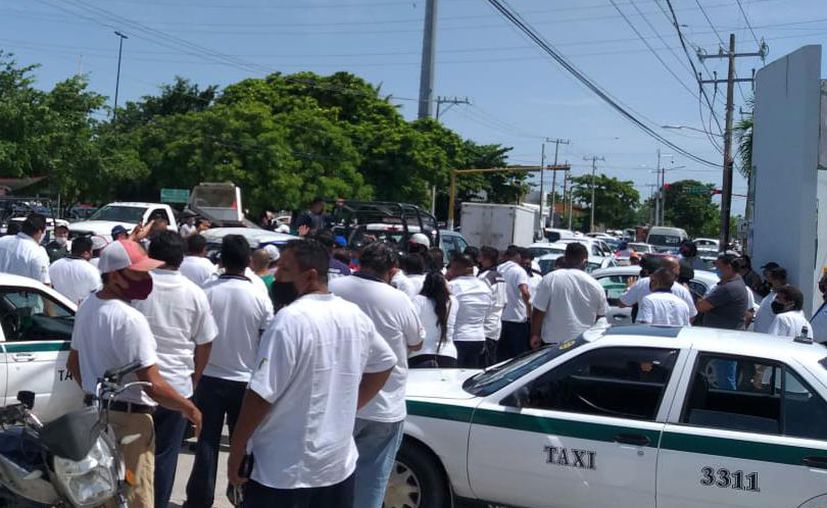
{"x":726,"y":479}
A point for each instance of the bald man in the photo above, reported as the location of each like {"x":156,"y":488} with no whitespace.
{"x":635,"y":294}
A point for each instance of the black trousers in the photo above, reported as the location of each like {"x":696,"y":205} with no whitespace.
{"x":431,"y":362}
{"x":489,"y":355}
{"x":469,"y":353}
{"x":339,"y":495}
{"x":514,"y":340}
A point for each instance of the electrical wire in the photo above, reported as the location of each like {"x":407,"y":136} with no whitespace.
{"x":720,"y":40}
{"x":532,"y":34}
{"x":746,"y":19}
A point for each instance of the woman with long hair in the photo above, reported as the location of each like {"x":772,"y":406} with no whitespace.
{"x":437,"y":311}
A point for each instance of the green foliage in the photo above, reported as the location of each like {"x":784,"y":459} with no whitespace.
{"x":695,"y":212}
{"x":743,"y":134}
{"x":616,"y":201}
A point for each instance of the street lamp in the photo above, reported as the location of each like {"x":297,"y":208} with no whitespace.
{"x":686,"y":127}
{"x":121,"y":37}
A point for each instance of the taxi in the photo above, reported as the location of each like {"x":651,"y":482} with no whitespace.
{"x":641,"y":416}
{"x":35,"y":334}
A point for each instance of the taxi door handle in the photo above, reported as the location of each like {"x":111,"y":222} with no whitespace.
{"x":23,"y":357}
{"x":632,"y":439}
{"x":815,"y":462}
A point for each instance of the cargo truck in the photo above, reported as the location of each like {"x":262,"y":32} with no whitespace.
{"x":497,"y":225}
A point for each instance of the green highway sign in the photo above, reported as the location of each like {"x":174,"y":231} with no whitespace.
{"x":175,"y":195}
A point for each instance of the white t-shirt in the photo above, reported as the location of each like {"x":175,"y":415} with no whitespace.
{"x":496,"y":283}
{"x":636,"y":293}
{"x":427,"y":315}
{"x":661,"y":308}
{"x":533,"y":283}
{"x":475,"y":301}
{"x":789,"y":324}
{"x":401,"y":282}
{"x":571,"y":300}
{"x":197,"y":269}
{"x":109,"y":334}
{"x":515,"y":276}
{"x":241,"y":313}
{"x":21,"y":255}
{"x":764,"y":316}
{"x":309,"y":368}
{"x":180,"y":318}
{"x":187,"y":230}
{"x":417,"y":281}
{"x":396,"y":320}
{"x":74,"y":278}
{"x":819,"y":323}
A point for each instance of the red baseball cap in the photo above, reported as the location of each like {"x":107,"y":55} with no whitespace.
{"x":122,"y":254}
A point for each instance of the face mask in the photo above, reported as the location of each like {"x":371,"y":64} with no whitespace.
{"x":284,"y":293}
{"x":61,"y":240}
{"x":778,"y":307}
{"x":138,"y":289}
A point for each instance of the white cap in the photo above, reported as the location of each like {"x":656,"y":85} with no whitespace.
{"x":98,"y":242}
{"x":272,"y":251}
{"x":421,"y":239}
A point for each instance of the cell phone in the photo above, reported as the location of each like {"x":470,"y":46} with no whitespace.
{"x":236,"y":493}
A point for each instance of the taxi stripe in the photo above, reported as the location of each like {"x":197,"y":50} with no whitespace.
{"x":738,"y":449}
{"x":35,"y":347}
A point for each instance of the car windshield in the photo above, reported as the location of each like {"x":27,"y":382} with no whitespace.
{"x":542,"y":251}
{"x":499,"y":376}
{"x":592,"y":266}
{"x":664,"y":240}
{"x":130,"y":214}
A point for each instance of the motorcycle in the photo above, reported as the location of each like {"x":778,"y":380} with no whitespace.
{"x":71,"y":462}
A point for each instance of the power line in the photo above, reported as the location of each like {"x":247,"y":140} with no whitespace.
{"x":514,"y":18}
{"x":746,"y":19}
{"x":720,"y":39}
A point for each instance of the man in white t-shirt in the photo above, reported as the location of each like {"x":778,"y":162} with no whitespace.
{"x":180,"y":318}
{"x":196,"y":267}
{"x":764,"y":316}
{"x":635,"y":294}
{"x":514,"y":338}
{"x":568,"y":301}
{"x":22,"y":254}
{"x":661,"y":306}
{"x":321,"y":359}
{"x":241,"y":313}
{"x":74,"y":276}
{"x":496,"y":284}
{"x":475,"y":301}
{"x":378,"y":430}
{"x":790,"y":320}
{"x":108,"y":334}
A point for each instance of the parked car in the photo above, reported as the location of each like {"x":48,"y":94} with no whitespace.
{"x":595,"y":246}
{"x":706,"y":244}
{"x":642,"y":248}
{"x":35,"y":333}
{"x":450,"y":242}
{"x":594,"y":263}
{"x":666,"y":239}
{"x":624,"y":416}
{"x":256,"y":237}
{"x":543,"y":248}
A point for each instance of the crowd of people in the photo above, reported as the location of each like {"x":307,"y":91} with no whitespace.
{"x":305,"y":355}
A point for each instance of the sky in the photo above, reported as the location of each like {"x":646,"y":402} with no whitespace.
{"x":519,"y":96}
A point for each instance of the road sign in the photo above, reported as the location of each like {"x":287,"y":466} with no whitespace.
{"x":175,"y":195}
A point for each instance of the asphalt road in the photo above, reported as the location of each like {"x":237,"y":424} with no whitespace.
{"x":179,"y":492}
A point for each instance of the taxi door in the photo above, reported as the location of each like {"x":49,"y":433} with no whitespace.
{"x":584,"y":433}
{"x":760,"y":444}
{"x":37,"y":330}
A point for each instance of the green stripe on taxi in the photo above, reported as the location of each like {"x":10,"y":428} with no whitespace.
{"x":35,"y":347}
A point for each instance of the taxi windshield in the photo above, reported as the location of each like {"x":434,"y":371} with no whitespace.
{"x":498,"y":376}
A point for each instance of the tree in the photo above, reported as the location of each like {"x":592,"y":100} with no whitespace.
{"x":743,"y":133}
{"x":616,"y":201}
{"x":689,"y":206}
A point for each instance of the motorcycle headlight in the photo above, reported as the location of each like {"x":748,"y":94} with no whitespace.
{"x":91,"y":481}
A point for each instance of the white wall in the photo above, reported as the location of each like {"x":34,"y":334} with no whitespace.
{"x":785,"y":161}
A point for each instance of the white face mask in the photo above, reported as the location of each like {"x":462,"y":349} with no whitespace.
{"x":61,"y":240}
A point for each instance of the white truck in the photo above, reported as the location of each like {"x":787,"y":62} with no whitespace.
{"x":496,"y":225}
{"x":126,"y":214}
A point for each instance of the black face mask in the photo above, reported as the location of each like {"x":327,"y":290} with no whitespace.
{"x":778,"y":308}
{"x":284,"y":293}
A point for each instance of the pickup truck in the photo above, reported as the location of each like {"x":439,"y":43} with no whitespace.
{"x":126,"y":214}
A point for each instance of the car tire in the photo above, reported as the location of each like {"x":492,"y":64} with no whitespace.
{"x":416,"y":480}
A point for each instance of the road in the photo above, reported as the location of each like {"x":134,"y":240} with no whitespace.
{"x":179,"y":492}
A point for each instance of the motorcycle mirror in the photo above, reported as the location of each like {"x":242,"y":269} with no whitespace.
{"x":26,"y":398}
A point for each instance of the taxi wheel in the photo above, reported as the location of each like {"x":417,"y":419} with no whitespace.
{"x":416,"y":480}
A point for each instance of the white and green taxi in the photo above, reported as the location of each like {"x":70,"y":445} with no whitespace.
{"x":35,"y":333}
{"x":630,"y":416}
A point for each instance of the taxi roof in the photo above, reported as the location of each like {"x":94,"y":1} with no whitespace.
{"x":721,"y":341}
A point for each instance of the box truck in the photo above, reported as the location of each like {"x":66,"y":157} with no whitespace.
{"x":497,"y":225}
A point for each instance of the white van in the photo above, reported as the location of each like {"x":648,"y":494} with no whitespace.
{"x":666,"y":239}
{"x":554,"y":234}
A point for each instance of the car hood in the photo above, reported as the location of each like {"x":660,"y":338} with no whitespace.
{"x":103,"y":227}
{"x":438,"y":383}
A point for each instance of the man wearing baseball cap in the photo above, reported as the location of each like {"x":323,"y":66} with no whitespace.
{"x":109,"y":333}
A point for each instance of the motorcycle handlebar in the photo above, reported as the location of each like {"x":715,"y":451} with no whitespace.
{"x":115,"y":375}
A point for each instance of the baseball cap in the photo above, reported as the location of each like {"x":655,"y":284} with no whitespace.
{"x":118,"y":230}
{"x":98,"y":242}
{"x":421,"y":239}
{"x":272,"y":251}
{"x":126,"y":254}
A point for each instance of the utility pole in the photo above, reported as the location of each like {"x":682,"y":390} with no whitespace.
{"x":451,"y":101}
{"x":726,"y":185}
{"x":557,"y":142}
{"x":539,"y":223}
{"x":121,"y":37}
{"x":594,"y":160}
{"x":426,"y":76}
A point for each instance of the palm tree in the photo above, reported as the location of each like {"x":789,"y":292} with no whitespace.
{"x":743,"y":133}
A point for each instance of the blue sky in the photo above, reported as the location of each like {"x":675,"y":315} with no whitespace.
{"x":519,"y":95}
